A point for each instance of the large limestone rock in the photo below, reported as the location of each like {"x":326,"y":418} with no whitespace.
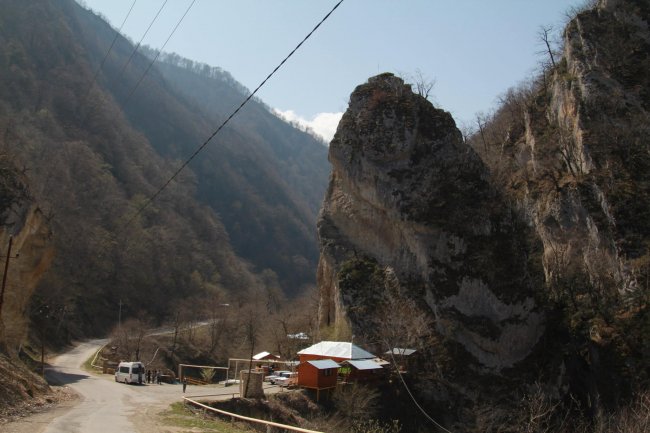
{"x":406,"y":193}
{"x":23,"y":225}
{"x":31,"y":256}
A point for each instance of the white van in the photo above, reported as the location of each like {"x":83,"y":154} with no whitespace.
{"x":130,"y":372}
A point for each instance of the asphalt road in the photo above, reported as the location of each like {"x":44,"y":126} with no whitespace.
{"x":106,"y":406}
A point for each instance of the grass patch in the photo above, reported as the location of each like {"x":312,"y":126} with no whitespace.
{"x":180,"y":416}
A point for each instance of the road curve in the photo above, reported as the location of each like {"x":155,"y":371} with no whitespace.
{"x":104,"y":406}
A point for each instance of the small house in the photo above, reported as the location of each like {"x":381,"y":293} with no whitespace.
{"x":268,"y":366}
{"x":320,"y":374}
{"x":363,"y":370}
{"x":405,"y":359}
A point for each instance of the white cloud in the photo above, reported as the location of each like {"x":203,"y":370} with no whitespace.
{"x":323,"y":124}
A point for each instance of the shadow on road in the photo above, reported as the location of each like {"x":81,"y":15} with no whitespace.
{"x":60,"y":378}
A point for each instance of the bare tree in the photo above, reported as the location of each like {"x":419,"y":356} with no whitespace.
{"x":545,"y":36}
{"x":176,"y":323}
{"x":356,"y":402}
{"x":217,"y":313}
{"x":573,"y":11}
{"x":481,"y":122}
{"x":251,"y":329}
{"x":403,"y":323}
{"x":423,"y":84}
{"x":130,"y":336}
{"x":467,"y":130}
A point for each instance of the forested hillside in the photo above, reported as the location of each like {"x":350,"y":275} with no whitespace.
{"x":266,"y":181}
{"x":238,"y":220}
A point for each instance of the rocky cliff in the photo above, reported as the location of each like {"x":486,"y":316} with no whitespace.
{"x":524,"y":252}
{"x":407,"y":193}
{"x":25,"y":227}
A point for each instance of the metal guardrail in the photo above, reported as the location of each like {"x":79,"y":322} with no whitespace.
{"x":246,"y":418}
{"x":92,"y":363}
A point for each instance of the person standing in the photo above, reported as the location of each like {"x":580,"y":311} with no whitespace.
{"x":184,"y":384}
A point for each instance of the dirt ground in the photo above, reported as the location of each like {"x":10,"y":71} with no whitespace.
{"x":34,"y":415}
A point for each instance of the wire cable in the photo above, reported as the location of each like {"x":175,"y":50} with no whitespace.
{"x":117,"y":34}
{"x":157,"y":54}
{"x":225,"y":122}
{"x":141,"y":39}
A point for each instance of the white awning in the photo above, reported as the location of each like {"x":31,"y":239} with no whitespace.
{"x":337,"y":349}
{"x":364,"y":364}
{"x":324,"y":364}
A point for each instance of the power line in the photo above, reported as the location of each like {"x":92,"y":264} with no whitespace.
{"x":117,"y":34}
{"x":158,"y":54}
{"x":233,"y":114}
{"x":141,"y":39}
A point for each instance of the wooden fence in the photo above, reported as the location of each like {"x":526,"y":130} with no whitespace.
{"x":234,"y":416}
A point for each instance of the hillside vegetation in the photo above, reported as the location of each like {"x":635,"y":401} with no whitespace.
{"x":239,"y":220}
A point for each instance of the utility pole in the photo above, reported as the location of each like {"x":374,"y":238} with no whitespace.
{"x":119,"y":318}
{"x":4,"y":277}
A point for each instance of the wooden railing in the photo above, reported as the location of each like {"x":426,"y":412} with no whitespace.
{"x":234,"y":416}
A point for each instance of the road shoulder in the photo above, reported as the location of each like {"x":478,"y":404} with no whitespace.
{"x":35,"y":415}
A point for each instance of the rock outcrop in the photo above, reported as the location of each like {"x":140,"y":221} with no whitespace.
{"x":580,"y":168}
{"x":24,"y":226}
{"x":525,"y":252}
{"x":408,"y":193}
{"x":31,"y":256}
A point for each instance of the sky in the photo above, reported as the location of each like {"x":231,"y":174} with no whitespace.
{"x":473,"y":50}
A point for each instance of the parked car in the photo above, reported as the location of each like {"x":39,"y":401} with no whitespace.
{"x":276,"y":375}
{"x":290,"y":379}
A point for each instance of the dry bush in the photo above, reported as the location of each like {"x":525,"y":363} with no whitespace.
{"x":634,"y":418}
{"x":374,"y":426}
{"x":298,"y":402}
{"x":356,"y":402}
{"x":541,"y":412}
{"x":545,"y":414}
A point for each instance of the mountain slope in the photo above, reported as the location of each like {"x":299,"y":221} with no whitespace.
{"x":92,"y":158}
{"x":263,"y":177}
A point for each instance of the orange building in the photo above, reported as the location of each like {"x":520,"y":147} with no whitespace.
{"x":318,"y":368}
{"x":318,"y":374}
